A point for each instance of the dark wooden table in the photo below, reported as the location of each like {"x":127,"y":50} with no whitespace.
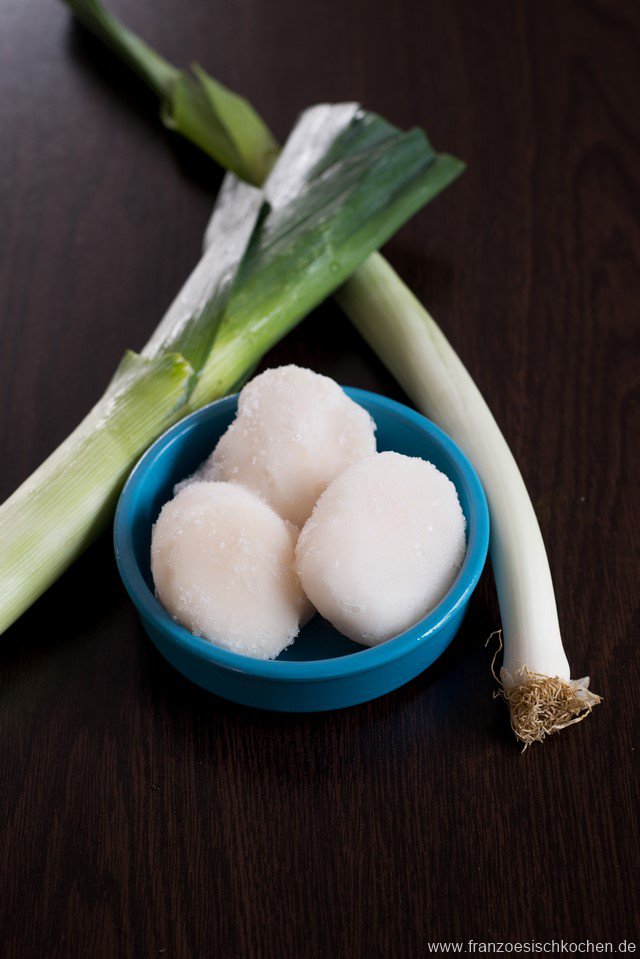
{"x":140,"y":815}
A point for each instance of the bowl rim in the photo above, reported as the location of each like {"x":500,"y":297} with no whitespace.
{"x":360,"y":661}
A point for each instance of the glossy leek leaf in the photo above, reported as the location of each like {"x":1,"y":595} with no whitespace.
{"x":345,"y":182}
{"x":191,"y":323}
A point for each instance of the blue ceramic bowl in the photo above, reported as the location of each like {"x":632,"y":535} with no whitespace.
{"x":322,"y":669}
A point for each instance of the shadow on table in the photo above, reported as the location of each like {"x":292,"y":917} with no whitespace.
{"x":453,"y":696}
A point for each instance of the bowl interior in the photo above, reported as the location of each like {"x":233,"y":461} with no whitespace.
{"x":191,"y":442}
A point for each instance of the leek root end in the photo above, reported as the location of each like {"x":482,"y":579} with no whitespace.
{"x":541,"y":705}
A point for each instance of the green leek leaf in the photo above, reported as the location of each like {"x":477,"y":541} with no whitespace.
{"x":334,"y":203}
{"x":221,"y":123}
{"x":191,"y":323}
{"x":193,"y":104}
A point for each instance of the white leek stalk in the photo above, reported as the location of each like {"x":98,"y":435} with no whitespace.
{"x":535,"y":675}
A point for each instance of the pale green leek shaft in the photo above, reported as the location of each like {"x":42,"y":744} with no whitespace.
{"x":80,"y":481}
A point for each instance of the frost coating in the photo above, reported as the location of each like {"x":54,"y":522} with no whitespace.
{"x":223,"y":567}
{"x":383,"y":545}
{"x":294,"y":433}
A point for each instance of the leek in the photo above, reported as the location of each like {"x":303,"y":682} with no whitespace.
{"x":535,"y":675}
{"x":274,"y":254}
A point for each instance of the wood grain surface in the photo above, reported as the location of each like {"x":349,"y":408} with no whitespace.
{"x":143,"y":817}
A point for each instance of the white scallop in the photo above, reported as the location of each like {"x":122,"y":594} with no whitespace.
{"x":383,"y":545}
{"x":223,"y":566}
{"x":295,"y":432}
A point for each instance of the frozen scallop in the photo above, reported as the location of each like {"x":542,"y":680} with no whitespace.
{"x":223,"y":566}
{"x":383,"y":545}
{"x":295,"y":432}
